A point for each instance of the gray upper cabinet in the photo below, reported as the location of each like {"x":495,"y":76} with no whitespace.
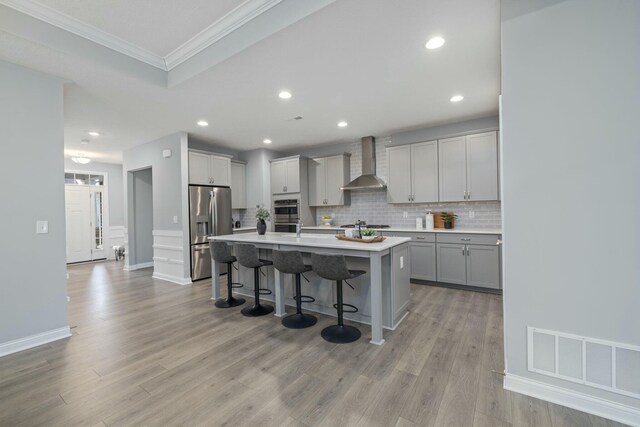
{"x":326,"y":176}
{"x":453,"y":169}
{"x":482,"y":166}
{"x":399,"y":174}
{"x":238,"y":186}
{"x":412,"y":173}
{"x":209,"y":169}
{"x":424,"y":172}
{"x":483,"y":266}
{"x":285,"y":176}
{"x":468,"y":167}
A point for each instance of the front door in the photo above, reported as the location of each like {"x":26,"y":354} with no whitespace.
{"x":85,"y":223}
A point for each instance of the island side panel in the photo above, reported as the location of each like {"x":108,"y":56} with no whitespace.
{"x":400,"y":283}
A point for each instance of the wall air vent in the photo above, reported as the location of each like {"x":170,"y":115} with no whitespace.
{"x":606,"y":365}
{"x":295,"y":118}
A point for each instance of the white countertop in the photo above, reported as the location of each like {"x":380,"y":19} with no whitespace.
{"x":312,"y":240}
{"x":415,"y":230}
{"x":244,"y":228}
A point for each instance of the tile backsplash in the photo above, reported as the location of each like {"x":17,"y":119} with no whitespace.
{"x":372,"y":206}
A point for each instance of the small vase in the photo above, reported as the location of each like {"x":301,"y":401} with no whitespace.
{"x":448,"y":225}
{"x":261,"y":227}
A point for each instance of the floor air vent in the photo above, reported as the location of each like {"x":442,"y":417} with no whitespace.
{"x":597,"y":363}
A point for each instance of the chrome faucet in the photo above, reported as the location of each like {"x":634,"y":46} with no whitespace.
{"x":298,"y":228}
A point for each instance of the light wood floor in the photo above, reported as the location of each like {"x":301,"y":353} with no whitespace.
{"x":148,"y":352}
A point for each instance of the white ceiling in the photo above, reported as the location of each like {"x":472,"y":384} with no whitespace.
{"x":362,"y":61}
{"x":159,"y":26}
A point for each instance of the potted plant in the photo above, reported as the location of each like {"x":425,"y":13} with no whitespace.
{"x":368,"y":234}
{"x":447,"y":219}
{"x":262,"y":215}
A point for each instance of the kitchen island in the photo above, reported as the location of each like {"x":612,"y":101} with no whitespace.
{"x":381,"y":295}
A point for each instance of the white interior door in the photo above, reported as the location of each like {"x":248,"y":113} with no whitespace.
{"x":78,"y":219}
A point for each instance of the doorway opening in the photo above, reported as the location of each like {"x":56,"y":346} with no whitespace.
{"x":86,"y":216}
{"x":140,"y":219}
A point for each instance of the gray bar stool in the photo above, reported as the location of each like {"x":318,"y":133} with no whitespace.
{"x":248,"y":257}
{"x":220,"y":253}
{"x":291,"y":262}
{"x":334,"y":267}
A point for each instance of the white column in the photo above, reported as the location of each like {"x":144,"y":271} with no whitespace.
{"x":215,"y":279}
{"x":375,"y":272}
{"x":279,"y":297}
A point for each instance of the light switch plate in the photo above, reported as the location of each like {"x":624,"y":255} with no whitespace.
{"x":472,"y":214}
{"x":401,"y":262}
{"x":42,"y":227}
{"x":175,"y":219}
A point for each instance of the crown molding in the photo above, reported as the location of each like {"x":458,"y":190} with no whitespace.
{"x":233,"y":20}
{"x":82,"y":29}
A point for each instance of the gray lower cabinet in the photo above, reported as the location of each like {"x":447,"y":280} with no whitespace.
{"x":452,"y":263}
{"x":483,"y":266}
{"x":471,"y":265}
{"x":423,"y":261}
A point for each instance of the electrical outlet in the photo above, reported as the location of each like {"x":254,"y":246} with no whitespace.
{"x":175,"y":219}
{"x":472,"y":214}
{"x":401,"y":262}
{"x":405,"y":214}
{"x":42,"y":227}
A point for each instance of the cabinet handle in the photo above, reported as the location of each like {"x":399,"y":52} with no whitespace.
{"x":463,"y":251}
{"x":420,"y":238}
{"x":467,"y":250}
{"x":466,"y":240}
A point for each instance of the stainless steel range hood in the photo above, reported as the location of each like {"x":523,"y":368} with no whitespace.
{"x":368,"y":180}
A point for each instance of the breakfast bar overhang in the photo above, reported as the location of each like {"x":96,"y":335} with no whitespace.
{"x":386,"y":286}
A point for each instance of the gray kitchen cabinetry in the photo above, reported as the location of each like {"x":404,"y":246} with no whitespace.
{"x":413,"y":173}
{"x":471,"y":260}
{"x":209,"y":169}
{"x":326,"y":176}
{"x":285,"y":175}
{"x":422,"y":254}
{"x":468,"y":167}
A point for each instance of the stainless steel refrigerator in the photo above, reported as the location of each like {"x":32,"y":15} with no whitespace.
{"x":209,"y":215}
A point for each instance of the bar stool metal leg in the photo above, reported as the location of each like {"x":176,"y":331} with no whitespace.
{"x":340,"y":333}
{"x":230,"y":301}
{"x":299,"y":320}
{"x":257,"y":309}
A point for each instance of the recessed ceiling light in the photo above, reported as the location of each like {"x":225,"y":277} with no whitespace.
{"x":456,"y":98}
{"x":203,"y":123}
{"x":284,"y":94}
{"x":434,"y":43}
{"x":267,"y":141}
{"x":342,"y":124}
{"x":93,"y":133}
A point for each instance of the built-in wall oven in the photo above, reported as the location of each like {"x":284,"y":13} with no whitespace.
{"x":286,"y":215}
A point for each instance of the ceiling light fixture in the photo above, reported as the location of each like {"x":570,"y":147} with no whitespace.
{"x":203,"y":123}
{"x":81,"y":159}
{"x":434,"y":43}
{"x":342,"y":124}
{"x":93,"y":133}
{"x":267,"y":141}
{"x":284,"y":94}
{"x":456,"y":98}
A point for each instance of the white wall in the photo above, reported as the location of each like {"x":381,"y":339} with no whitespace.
{"x":170,"y":199}
{"x":33,"y":286}
{"x":571,"y":178}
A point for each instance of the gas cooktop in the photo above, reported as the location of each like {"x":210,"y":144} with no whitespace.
{"x":366,"y":226}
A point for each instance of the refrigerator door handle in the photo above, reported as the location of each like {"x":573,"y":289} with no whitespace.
{"x":212,"y":212}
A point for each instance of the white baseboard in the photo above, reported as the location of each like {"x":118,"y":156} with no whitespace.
{"x":138,"y":266}
{"x":34,"y":341}
{"x":573,"y":399}
{"x":173,"y":279}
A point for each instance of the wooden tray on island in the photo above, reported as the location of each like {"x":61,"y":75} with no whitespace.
{"x":376,"y":239}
